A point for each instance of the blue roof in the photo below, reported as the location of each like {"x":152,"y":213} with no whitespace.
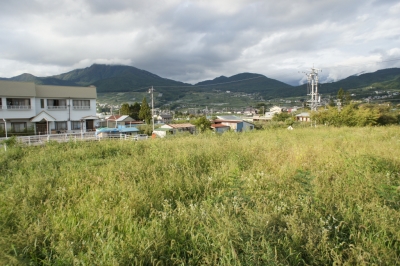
{"x":129,"y":129}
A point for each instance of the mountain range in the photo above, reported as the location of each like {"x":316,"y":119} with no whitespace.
{"x":120,"y":78}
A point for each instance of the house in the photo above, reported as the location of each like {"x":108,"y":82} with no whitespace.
{"x":119,"y":120}
{"x":220,"y":128}
{"x":249,"y":111}
{"x":276,"y":109}
{"x":164,"y":118}
{"x":235,"y":123}
{"x":172,"y":129}
{"x":303,"y":117}
{"x":186,"y":127}
{"x":46,"y":109}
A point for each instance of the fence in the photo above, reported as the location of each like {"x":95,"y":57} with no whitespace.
{"x":84,"y":136}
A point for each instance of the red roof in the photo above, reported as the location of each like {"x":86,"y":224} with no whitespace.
{"x":218,"y":125}
{"x":114,"y":117}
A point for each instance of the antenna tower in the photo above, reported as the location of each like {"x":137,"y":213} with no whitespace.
{"x":312,"y":89}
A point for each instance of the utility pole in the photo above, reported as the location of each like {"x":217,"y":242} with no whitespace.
{"x":152,"y":105}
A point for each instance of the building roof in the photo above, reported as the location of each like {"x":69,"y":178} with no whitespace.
{"x":120,"y":118}
{"x":42,"y":116}
{"x":303,"y":114}
{"x":29,"y":89}
{"x":165,"y":116}
{"x":66,"y":92}
{"x":229,"y":117}
{"x":17,"y":89}
{"x":181,"y":125}
{"x":218,"y":126}
{"x":227,"y":121}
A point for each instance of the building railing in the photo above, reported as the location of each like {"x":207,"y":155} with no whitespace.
{"x":66,"y":137}
{"x":18,"y":107}
{"x":81,"y":107}
{"x":57,"y":107}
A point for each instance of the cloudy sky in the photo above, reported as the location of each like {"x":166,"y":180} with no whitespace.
{"x":194,"y":40}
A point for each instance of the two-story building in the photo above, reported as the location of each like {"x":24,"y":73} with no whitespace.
{"x":46,"y":109}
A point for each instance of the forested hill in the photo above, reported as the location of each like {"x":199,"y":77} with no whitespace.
{"x":120,"y":78}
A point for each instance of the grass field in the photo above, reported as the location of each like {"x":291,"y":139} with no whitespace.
{"x":311,"y":196}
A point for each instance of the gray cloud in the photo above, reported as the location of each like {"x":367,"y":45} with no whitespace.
{"x":194,"y":40}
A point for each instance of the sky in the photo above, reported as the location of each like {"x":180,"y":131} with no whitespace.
{"x":196,"y":40}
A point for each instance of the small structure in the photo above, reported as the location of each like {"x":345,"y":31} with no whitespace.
{"x":220,"y":128}
{"x":303,"y":117}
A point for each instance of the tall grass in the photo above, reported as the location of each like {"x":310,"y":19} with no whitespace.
{"x":311,"y":196}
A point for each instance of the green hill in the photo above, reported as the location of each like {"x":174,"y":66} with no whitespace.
{"x":120,"y":78}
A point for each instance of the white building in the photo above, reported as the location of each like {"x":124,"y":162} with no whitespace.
{"x":46,"y":109}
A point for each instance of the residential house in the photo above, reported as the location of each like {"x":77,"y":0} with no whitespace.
{"x":174,"y":129}
{"x":164,"y":118}
{"x":46,"y":109}
{"x":235,"y":123}
{"x":114,"y":121}
{"x":220,"y":128}
{"x":303,"y":117}
{"x":276,"y":109}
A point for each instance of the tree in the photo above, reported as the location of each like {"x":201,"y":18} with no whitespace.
{"x":344,"y":97}
{"x":134,"y":110}
{"x":281,"y":116}
{"x":145,"y":111}
{"x":202,"y":123}
{"x":340,"y":96}
{"x":124,"y":110}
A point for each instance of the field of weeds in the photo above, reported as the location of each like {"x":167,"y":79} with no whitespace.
{"x":311,"y":196}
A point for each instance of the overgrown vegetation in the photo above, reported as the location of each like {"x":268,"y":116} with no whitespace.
{"x":357,"y":115}
{"x":311,"y":196}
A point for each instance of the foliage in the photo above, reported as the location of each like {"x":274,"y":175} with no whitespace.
{"x":283,"y":116}
{"x":354,"y":115}
{"x":202,"y":123}
{"x":124,"y":110}
{"x":312,"y":196}
{"x":145,"y":111}
{"x":343,"y":97}
{"x":135,"y":110}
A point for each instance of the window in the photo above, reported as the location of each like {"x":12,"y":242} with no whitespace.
{"x":75,"y":125}
{"x":2,"y":127}
{"x":42,"y":103}
{"x":18,"y":103}
{"x":18,"y":126}
{"x":56,"y":104}
{"x":81,"y":104}
{"x":61,"y":125}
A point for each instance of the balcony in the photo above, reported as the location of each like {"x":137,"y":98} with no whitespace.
{"x":18,"y":107}
{"x":81,"y":107}
{"x":64,"y":107}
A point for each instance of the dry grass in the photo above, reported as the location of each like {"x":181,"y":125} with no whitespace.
{"x":312,"y":196}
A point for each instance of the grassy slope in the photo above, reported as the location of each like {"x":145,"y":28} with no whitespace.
{"x":308,"y":196}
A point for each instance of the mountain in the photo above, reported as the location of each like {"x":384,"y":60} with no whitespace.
{"x":361,"y":81}
{"x":25,"y":77}
{"x":245,"y":82}
{"x":120,"y":78}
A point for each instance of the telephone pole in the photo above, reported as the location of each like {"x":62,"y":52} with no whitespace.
{"x":152,"y":105}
